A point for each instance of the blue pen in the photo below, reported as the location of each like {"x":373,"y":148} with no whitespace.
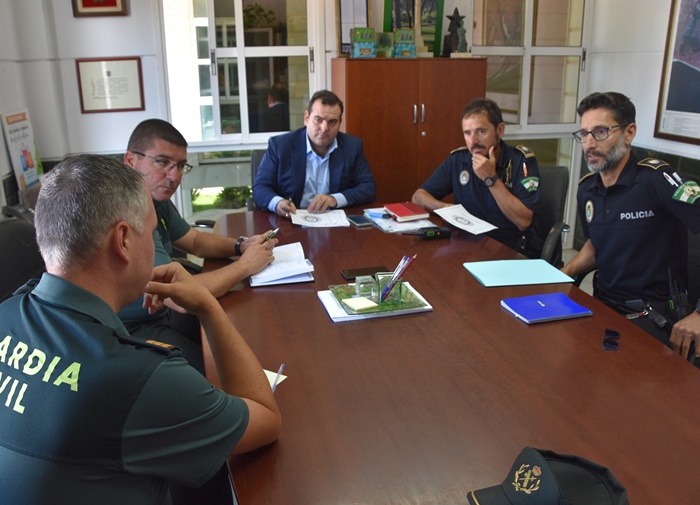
{"x":279,"y":373}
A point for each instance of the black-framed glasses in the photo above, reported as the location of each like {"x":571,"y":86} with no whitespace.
{"x":166,"y":164}
{"x":599,"y":133}
{"x":611,"y":340}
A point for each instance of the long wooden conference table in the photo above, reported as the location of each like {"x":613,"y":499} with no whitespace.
{"x":423,"y":408}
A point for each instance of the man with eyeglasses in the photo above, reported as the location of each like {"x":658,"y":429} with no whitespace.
{"x":635,"y":214}
{"x":159,"y":151}
{"x":490,"y":179}
{"x":315,"y":167}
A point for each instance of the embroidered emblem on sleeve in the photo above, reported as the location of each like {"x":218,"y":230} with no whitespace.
{"x":531,"y":183}
{"x":688,"y":192}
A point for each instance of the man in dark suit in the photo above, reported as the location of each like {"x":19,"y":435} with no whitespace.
{"x":276,"y":116}
{"x":315,"y":167}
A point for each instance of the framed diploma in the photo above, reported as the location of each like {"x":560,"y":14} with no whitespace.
{"x":110,"y":84}
{"x":83,"y":8}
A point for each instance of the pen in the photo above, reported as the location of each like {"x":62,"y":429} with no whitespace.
{"x":279,"y":373}
{"x":272,"y":234}
{"x":290,"y":202}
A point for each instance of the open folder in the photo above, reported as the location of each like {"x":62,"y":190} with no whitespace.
{"x":290,"y":266}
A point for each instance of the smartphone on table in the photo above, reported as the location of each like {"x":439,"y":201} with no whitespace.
{"x":349,"y":274}
{"x":360,"y":221}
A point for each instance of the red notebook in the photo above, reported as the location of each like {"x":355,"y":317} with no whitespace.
{"x":406,"y":211}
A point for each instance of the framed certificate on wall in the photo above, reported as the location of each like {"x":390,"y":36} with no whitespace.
{"x":83,"y":8}
{"x":110,"y":84}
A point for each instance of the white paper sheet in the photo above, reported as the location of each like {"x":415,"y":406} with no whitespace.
{"x":328,"y":219}
{"x":458,"y":216}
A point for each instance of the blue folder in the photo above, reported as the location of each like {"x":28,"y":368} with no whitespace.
{"x":545,"y":307}
{"x":516,"y":272}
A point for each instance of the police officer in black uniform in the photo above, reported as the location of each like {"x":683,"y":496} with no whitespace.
{"x":635,"y":214}
{"x":490,"y":179}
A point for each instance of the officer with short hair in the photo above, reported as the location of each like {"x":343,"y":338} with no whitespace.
{"x":90,"y":414}
{"x":635,"y":214}
{"x":490,"y":179}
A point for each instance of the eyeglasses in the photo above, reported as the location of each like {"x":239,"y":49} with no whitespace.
{"x":165,"y":164}
{"x":599,"y":134}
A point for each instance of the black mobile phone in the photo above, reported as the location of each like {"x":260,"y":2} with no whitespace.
{"x":360,"y":221}
{"x":350,"y":273}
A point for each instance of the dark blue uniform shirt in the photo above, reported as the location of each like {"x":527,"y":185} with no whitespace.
{"x":516,"y":167}
{"x":638,"y":228}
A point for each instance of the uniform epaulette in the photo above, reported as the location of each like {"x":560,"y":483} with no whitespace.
{"x":589,"y":174}
{"x":149,"y":344}
{"x":526,"y":151}
{"x":458,"y":149}
{"x":653,"y":163}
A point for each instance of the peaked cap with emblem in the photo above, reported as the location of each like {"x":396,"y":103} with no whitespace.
{"x":540,"y":477}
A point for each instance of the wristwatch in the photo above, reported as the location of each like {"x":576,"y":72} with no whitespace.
{"x":240,"y":241}
{"x":490,"y":181}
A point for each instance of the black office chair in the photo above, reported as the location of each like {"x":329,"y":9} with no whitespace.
{"x":20,"y":255}
{"x":256,"y":156}
{"x":554,"y":185}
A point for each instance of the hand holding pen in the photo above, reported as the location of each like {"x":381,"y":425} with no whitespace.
{"x":286,"y":207}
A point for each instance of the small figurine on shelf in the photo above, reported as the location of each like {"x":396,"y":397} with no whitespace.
{"x":451,"y":40}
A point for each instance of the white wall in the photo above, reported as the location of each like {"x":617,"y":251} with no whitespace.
{"x":40,"y":40}
{"x":626,"y":55}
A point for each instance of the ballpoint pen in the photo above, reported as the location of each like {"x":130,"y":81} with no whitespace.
{"x":272,"y":234}
{"x":279,"y":373}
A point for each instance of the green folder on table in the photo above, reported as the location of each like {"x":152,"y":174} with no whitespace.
{"x":516,"y":272}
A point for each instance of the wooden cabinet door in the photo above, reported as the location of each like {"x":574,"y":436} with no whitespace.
{"x":381,"y":100}
{"x":446,"y":86}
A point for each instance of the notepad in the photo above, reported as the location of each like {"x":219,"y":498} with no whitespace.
{"x":406,"y":211}
{"x":290,"y":266}
{"x":544,"y":307}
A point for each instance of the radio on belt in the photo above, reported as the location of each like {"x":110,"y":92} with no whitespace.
{"x":431,"y":233}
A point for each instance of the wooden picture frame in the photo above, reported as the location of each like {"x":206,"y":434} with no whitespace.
{"x":678,"y":111}
{"x":110,"y":84}
{"x":86,"y":8}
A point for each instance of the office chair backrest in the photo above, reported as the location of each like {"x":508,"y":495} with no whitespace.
{"x":554,"y":184}
{"x":20,"y":259}
{"x":256,"y":156}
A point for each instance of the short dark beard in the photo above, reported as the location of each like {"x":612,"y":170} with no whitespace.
{"x":611,"y":159}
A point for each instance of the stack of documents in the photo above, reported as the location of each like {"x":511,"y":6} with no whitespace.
{"x":290,"y":266}
{"x":384,"y":221}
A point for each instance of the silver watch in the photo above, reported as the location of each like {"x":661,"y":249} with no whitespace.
{"x":490,"y":181}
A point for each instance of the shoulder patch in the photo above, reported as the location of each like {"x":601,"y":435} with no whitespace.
{"x":458,"y":149}
{"x":526,"y":151}
{"x":653,"y":163}
{"x":161,"y":347}
{"x":589,"y":174}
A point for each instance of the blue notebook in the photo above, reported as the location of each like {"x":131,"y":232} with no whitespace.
{"x":546,"y":307}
